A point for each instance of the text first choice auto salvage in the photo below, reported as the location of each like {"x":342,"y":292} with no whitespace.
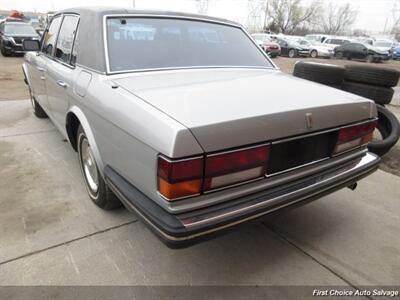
{"x":365,"y":292}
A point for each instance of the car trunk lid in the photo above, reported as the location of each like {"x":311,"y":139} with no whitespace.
{"x":227,"y":108}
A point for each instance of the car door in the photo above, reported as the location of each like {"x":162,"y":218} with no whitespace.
{"x":348,"y":50}
{"x":284,"y":47}
{"x":38,"y":66}
{"x":60,"y":70}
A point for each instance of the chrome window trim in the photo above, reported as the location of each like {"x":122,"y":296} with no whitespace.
{"x":155,"y":16}
{"x":171,"y":160}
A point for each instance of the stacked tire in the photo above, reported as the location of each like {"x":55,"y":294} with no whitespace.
{"x":376,"y":84}
{"x":369,"y":82}
{"x":327,"y":74}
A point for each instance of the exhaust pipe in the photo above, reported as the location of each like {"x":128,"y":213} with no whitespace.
{"x":353,"y":186}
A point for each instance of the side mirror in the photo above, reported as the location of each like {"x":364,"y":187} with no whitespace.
{"x":31,"y":45}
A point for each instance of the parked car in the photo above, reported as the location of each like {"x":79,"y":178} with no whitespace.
{"x":317,"y":49}
{"x":319,"y":38}
{"x":396,"y":53}
{"x":200,"y":137}
{"x":291,"y":48}
{"x":360,"y":51}
{"x":333,"y":42}
{"x":270,"y":47}
{"x":12,"y":34}
{"x":385,"y":46}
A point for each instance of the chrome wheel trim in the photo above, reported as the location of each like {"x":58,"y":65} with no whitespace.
{"x":292,"y":53}
{"x":89,"y":166}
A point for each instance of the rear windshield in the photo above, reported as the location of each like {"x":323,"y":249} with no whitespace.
{"x":19,"y":29}
{"x":152,"y":43}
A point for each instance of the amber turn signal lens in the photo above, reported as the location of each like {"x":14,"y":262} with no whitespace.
{"x":178,"y":190}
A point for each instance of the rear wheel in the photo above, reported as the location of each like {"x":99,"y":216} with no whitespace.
{"x":292,"y":53}
{"x":97,"y":188}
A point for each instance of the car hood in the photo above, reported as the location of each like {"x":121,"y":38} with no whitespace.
{"x":226,"y":108}
{"x":381,"y":50}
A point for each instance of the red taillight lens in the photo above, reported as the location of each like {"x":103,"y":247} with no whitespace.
{"x":181,"y":178}
{"x":354,"y":136}
{"x":234,"y":167}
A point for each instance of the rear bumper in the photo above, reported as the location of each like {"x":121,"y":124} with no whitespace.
{"x":187,"y":228}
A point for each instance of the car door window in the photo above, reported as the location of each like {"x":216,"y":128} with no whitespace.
{"x":65,"y":39}
{"x":50,"y":36}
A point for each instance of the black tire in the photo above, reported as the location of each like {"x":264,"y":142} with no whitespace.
{"x":323,"y":73}
{"x":102,"y":196}
{"x":370,"y":59}
{"x":381,"y":95}
{"x":372,"y":75}
{"x":292,"y":53}
{"x":314,"y":54}
{"x":4,"y":51}
{"x":339,"y":55}
{"x":389,"y":128}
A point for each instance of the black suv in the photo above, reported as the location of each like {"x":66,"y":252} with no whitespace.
{"x":12,"y":34}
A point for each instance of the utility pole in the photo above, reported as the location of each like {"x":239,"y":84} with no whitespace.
{"x":134,"y":3}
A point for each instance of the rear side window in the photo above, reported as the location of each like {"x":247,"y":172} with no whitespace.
{"x":50,"y":36}
{"x":66,"y":38}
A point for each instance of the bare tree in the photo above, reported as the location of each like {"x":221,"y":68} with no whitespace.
{"x":338,"y":18}
{"x":286,"y":15}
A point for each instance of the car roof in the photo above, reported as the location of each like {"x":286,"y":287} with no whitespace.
{"x":90,"y":40}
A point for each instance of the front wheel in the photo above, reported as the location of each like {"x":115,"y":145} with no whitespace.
{"x":97,"y":188}
{"x":314,"y":54}
{"x":339,"y":55}
{"x":4,"y":51}
{"x":292,"y":53}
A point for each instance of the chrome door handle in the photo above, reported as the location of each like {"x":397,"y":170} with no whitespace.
{"x":40,"y":69}
{"x":62,"y":83}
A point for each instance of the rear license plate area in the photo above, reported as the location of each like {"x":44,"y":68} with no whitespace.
{"x":294,"y":153}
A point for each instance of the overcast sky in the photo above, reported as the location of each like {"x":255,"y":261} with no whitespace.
{"x":372,"y":14}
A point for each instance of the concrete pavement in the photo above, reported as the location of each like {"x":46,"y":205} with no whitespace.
{"x":51,"y":233}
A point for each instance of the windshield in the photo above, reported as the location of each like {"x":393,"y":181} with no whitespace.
{"x":153,"y":43}
{"x":19,"y":29}
{"x":383,"y":44}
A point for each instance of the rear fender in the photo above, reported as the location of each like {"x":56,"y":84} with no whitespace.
{"x":25,"y":70}
{"x":89,"y":134}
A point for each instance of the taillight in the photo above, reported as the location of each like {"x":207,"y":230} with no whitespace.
{"x":354,"y":136}
{"x":235,"y":167}
{"x":178,"y":179}
{"x":185,"y":178}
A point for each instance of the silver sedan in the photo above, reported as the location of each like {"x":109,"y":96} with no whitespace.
{"x":187,"y":122}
